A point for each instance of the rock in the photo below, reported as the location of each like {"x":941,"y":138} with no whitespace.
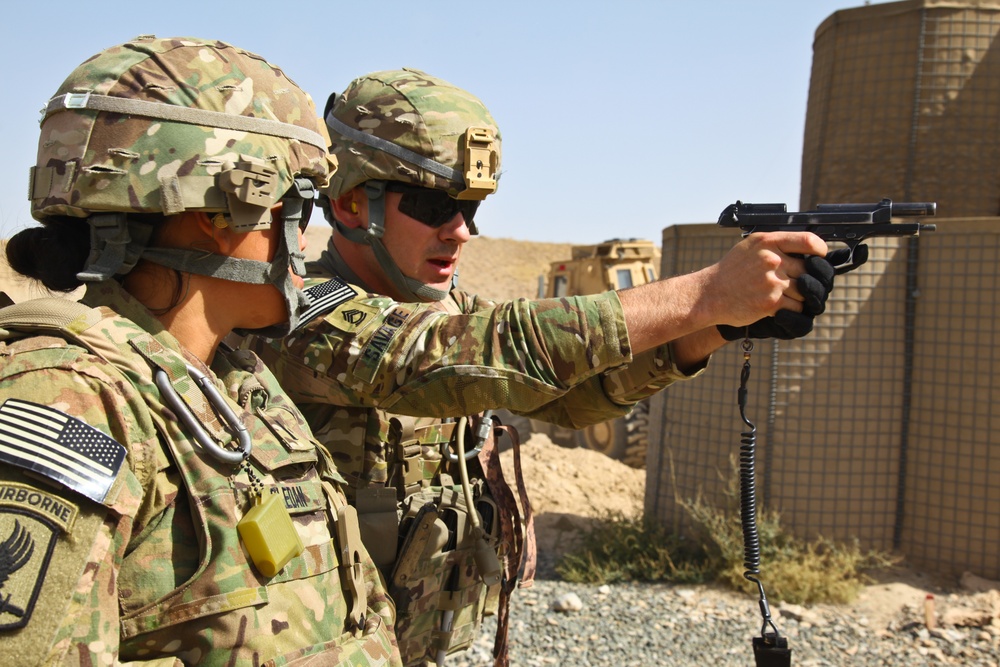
{"x":799,"y":614}
{"x":967,"y":618}
{"x":686,"y":594}
{"x":977,"y":584}
{"x":568,"y":602}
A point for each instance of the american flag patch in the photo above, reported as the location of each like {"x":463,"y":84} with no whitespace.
{"x":325,"y":297}
{"x":60,"y":447}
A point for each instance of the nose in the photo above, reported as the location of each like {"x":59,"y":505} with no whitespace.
{"x":455,"y":230}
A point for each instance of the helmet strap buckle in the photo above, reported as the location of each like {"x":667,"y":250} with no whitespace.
{"x":375,"y":191}
{"x":116,"y":244}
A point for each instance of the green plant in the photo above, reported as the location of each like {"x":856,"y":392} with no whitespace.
{"x":621,"y":548}
{"x":792,"y":569}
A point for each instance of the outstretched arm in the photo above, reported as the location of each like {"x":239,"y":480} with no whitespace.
{"x":755,"y":279}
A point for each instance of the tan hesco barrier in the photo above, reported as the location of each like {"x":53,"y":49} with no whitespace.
{"x":863,"y":430}
{"x":903,"y":102}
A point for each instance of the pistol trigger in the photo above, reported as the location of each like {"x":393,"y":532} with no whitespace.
{"x":855,"y":257}
{"x":849,"y":262}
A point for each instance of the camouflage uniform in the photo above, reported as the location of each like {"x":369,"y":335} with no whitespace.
{"x":565,"y":361}
{"x":154,"y":573}
{"x":153,"y":509}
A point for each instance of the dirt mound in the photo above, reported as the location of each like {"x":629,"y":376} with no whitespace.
{"x":506,"y":269}
{"x":570,"y":490}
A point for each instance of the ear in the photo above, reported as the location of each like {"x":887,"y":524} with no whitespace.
{"x":213,"y":228}
{"x":351,"y":208}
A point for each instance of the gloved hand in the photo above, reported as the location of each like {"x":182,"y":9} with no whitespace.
{"x":815,"y":286}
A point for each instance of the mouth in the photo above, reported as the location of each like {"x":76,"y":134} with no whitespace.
{"x":439,"y":270}
{"x":442,"y":263}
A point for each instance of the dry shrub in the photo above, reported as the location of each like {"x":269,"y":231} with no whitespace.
{"x":621,"y":548}
{"x":791,"y":569}
{"x":624,"y":548}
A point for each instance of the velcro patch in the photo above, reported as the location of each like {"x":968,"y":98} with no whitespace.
{"x":300,"y":498}
{"x":63,"y":448}
{"x":30,"y":521}
{"x":372,"y":354}
{"x":353,"y":316}
{"x":325,"y":297}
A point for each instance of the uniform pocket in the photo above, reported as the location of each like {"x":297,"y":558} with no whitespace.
{"x":372,"y":647}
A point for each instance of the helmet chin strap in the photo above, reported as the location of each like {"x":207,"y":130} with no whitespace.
{"x":236,"y":269}
{"x":410,"y":288}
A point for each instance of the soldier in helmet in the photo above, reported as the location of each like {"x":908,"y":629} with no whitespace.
{"x":397,"y":355}
{"x":161,"y":499}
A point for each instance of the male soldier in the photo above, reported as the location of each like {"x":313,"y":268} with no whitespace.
{"x":389,"y":340}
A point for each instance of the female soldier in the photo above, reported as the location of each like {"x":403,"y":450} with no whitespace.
{"x":161,"y":499}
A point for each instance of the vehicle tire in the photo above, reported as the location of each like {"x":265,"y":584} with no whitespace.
{"x":624,"y":439}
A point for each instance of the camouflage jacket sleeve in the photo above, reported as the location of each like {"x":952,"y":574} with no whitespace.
{"x":647,"y":374}
{"x":422,"y":360}
{"x":79,"y":541}
{"x":612,"y":394}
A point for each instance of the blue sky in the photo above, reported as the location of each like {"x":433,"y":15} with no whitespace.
{"x":618,"y":118}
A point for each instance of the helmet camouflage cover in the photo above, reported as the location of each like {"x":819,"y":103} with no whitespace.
{"x":405,"y":125}
{"x":168,"y":125}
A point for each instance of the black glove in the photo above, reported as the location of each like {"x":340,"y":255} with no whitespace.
{"x":815,"y":286}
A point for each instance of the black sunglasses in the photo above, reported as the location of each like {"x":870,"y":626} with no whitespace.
{"x":432,"y":207}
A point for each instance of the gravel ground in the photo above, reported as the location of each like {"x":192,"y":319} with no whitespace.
{"x":653,"y":624}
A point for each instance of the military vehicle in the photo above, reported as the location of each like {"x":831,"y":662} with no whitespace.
{"x":613,"y":264}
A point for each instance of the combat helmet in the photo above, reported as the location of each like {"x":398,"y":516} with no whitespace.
{"x":410,"y":127}
{"x":162,"y":126}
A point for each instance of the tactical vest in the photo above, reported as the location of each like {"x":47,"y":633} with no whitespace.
{"x":451,"y":549}
{"x":228,"y":610}
{"x":447,"y":568}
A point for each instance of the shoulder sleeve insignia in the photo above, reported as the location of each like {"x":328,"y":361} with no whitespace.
{"x":32,"y":521}
{"x":16,"y":551}
{"x":63,"y":448}
{"x":325,"y":297}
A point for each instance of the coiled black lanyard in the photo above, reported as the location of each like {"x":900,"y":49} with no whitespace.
{"x":770,"y":649}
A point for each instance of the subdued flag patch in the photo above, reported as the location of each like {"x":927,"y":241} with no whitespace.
{"x":63,"y":448}
{"x":325,"y":297}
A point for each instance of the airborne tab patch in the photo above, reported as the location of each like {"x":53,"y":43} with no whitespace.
{"x":60,"y":447}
